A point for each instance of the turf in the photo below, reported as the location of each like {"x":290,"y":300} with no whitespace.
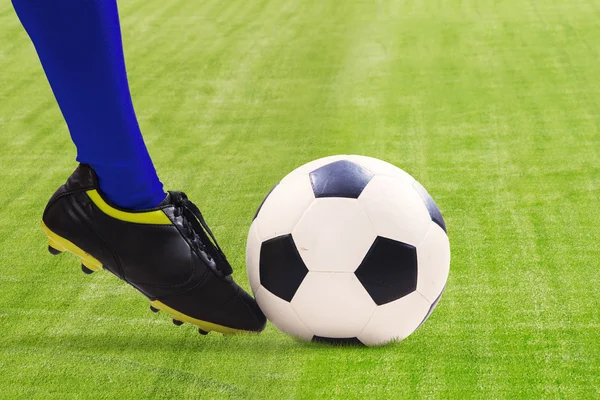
{"x":492,"y":105}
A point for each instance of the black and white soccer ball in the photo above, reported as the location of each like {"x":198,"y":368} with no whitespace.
{"x":348,"y":249}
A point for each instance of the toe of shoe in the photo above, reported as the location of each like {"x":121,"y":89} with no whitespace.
{"x":250,"y":316}
{"x":220,"y":302}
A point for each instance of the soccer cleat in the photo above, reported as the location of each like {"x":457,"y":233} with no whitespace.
{"x":168,"y":253}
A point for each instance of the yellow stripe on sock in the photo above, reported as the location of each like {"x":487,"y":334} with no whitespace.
{"x":157,"y":217}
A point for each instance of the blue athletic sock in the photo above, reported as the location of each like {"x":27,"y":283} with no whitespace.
{"x":79,"y":45}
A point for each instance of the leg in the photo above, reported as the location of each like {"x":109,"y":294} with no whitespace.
{"x":166,"y":251}
{"x":79,"y":45}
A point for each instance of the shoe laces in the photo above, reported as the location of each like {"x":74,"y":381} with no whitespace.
{"x":198,"y":232}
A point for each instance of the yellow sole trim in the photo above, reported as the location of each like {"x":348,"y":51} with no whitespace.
{"x":157,"y":217}
{"x":204,"y":325}
{"x":62,"y":244}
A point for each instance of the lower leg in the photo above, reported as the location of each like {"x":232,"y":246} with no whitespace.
{"x":80,"y":48}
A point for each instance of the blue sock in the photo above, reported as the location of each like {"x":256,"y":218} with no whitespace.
{"x":79,"y":45}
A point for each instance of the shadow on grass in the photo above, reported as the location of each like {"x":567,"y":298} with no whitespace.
{"x":184,"y":341}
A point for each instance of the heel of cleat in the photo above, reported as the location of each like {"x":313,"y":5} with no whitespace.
{"x":58,"y":244}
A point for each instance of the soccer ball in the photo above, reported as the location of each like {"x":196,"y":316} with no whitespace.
{"x":348,"y":249}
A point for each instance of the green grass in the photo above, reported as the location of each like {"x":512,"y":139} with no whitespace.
{"x":492,"y":105}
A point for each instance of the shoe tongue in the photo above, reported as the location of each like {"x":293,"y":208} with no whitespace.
{"x":166,"y":201}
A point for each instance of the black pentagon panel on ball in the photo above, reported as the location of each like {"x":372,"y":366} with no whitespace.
{"x":340,"y":179}
{"x":281,"y":267}
{"x":389,"y":270}
{"x":338,"y":341}
{"x":434,"y":211}
{"x":263,"y":202}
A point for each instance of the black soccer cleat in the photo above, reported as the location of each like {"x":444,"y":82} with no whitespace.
{"x":168,"y":253}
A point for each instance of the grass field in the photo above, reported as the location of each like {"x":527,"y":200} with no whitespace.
{"x":492,"y":105}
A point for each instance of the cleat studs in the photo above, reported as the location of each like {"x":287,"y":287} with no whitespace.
{"x":153,"y":309}
{"x":86,"y":270}
{"x":53,"y":251}
{"x":202,"y":332}
{"x":178,"y":323}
